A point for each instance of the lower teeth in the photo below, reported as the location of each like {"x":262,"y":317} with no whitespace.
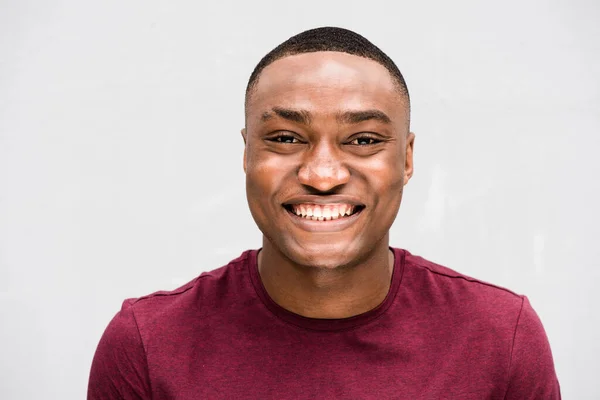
{"x":321,"y":218}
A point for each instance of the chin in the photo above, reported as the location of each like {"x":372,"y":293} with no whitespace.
{"x":323,"y":255}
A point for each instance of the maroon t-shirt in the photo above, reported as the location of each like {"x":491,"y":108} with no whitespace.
{"x":437,"y":335}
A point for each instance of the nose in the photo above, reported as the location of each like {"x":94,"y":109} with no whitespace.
{"x":323,"y":170}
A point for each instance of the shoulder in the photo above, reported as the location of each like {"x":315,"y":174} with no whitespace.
{"x":492,"y":318}
{"x":200,"y":294}
{"x":458,"y":296}
{"x":147,"y":325}
{"x":446,"y":282}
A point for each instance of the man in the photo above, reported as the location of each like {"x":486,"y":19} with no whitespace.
{"x":326,"y":309}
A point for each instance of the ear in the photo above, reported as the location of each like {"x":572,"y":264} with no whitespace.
{"x":408,"y":157}
{"x":245,"y":143}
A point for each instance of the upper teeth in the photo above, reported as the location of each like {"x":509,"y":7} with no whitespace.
{"x":323,"y":212}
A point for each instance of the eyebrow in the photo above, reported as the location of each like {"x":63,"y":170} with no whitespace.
{"x":354,"y":117}
{"x":347,"y":117}
{"x":300,"y":116}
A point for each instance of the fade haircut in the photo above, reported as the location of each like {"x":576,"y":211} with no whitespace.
{"x":329,"y":39}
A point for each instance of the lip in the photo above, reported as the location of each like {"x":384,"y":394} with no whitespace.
{"x":334,"y":225}
{"x":323,"y":200}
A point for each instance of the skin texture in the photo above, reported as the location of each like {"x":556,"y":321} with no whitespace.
{"x":300,"y":140}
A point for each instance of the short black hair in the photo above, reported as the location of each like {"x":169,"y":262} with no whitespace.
{"x":329,"y":39}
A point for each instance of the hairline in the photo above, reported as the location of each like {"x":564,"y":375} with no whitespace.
{"x":398,"y":85}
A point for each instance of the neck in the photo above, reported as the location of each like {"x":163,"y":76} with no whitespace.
{"x":330,"y":293}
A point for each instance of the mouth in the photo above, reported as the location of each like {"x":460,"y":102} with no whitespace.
{"x":323,"y":212}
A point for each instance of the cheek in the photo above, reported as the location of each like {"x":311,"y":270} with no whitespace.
{"x":387,"y":175}
{"x":266,"y":177}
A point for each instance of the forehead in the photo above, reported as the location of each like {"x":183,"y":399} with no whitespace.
{"x":324,"y":83}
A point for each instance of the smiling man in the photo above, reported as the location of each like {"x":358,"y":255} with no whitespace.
{"x":326,"y":308}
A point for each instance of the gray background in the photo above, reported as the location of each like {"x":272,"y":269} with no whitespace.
{"x":121,"y":159}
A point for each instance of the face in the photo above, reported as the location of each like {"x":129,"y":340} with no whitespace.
{"x":327,"y":154}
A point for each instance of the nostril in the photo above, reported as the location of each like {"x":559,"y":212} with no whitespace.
{"x":323,"y":176}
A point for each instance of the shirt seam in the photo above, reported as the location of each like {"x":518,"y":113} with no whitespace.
{"x":184,"y":289}
{"x":159,"y":294}
{"x":466,"y":278}
{"x":352,"y":327}
{"x":349,"y":328}
{"x":510,"y":359}
{"x":137,"y":327}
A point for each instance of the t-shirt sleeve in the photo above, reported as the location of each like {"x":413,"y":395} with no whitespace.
{"x":531,"y":372}
{"x":119,"y":368}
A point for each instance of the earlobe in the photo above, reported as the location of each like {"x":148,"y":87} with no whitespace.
{"x":408,"y":160}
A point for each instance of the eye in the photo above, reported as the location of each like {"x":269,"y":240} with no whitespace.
{"x":283,"y":138}
{"x":364,"y":141}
